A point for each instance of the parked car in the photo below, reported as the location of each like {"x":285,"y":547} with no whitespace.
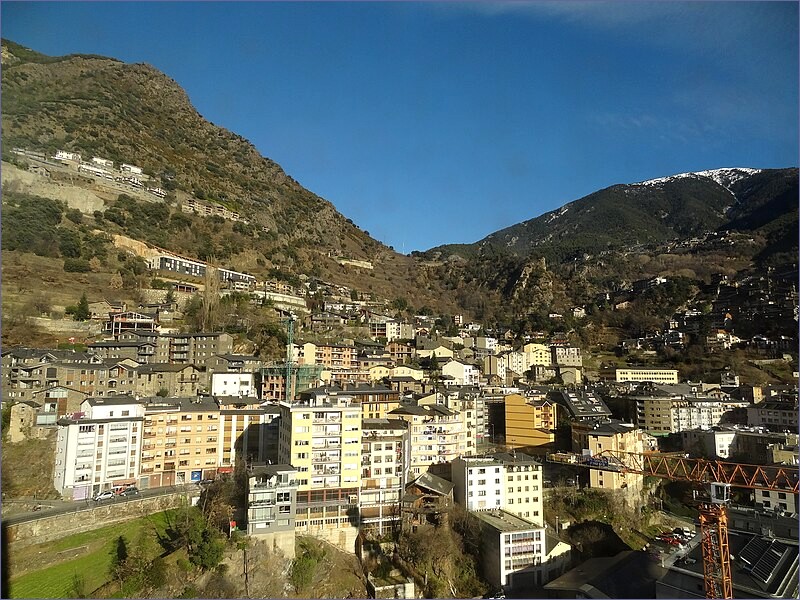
{"x":689,"y":560}
{"x":107,"y":495}
{"x":130,"y":491}
{"x":205,"y":482}
{"x":674,"y":541}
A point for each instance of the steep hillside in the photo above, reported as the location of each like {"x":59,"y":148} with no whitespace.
{"x":133,"y":113}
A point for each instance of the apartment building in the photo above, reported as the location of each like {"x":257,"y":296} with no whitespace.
{"x":232,"y":384}
{"x":248,"y":428}
{"x":598,"y":436}
{"x":537,"y":354}
{"x":566,"y":356}
{"x":462,"y":373}
{"x":99,"y":449}
{"x":193,"y":348}
{"x":512,"y":482}
{"x":167,"y":380}
{"x":668,"y":376}
{"x":400,"y":352}
{"x":376,"y":401}
{"x":181,"y":440}
{"x":406,"y":371}
{"x":511,"y":546}
{"x":438,"y":434}
{"x":530,"y":422}
{"x":332,"y":356}
{"x":774,"y":414}
{"x":28,"y":370}
{"x":271,"y":506}
{"x":320,"y":434}
{"x":713,"y":443}
{"x":140,"y":351}
{"x":385,"y":460}
{"x":660,"y":416}
{"x":389,"y":329}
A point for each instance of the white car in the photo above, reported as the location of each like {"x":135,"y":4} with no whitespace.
{"x":107,"y":495}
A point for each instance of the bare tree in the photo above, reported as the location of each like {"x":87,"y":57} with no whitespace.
{"x":210,"y":297}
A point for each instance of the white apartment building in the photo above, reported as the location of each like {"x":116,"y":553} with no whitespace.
{"x":512,"y":545}
{"x":512,"y":482}
{"x":320,"y":435}
{"x":100,"y":449}
{"x":711,"y":443}
{"x":390,"y":329}
{"x":233,"y":384}
{"x":517,"y":362}
{"x":462,"y":374}
{"x":668,"y":376}
{"x":385,"y":459}
{"x":566,"y":356}
{"x":486,"y":343}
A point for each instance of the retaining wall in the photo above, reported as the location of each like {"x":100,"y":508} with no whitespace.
{"x":47,"y":529}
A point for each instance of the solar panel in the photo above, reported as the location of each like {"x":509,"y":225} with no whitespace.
{"x":764,"y":569}
{"x":753,"y":551}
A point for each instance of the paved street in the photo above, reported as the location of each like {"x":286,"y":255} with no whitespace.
{"x":60,"y":507}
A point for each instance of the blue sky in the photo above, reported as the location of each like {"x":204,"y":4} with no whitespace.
{"x":433,"y":123}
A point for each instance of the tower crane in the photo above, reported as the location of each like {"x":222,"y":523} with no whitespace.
{"x":716,"y":476}
{"x":289,"y":322}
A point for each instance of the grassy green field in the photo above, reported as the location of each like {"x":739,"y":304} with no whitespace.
{"x":60,"y":565}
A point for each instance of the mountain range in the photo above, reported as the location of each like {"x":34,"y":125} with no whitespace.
{"x":134,"y":113}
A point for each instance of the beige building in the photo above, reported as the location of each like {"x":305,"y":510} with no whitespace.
{"x":320,"y":435}
{"x":438,"y":434}
{"x":529,"y":422}
{"x":332,"y":356}
{"x":180,"y":441}
{"x":512,"y":482}
{"x":599,"y":436}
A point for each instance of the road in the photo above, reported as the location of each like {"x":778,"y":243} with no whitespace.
{"x":60,"y":507}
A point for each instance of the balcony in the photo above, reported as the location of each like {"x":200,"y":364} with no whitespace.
{"x":325,"y":458}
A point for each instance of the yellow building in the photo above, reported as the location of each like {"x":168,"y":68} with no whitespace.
{"x":180,"y":440}
{"x":609,"y":434}
{"x":320,"y":435}
{"x":529,"y":422}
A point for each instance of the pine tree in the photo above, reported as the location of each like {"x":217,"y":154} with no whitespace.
{"x":82,"y":312}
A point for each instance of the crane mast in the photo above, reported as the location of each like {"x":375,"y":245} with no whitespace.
{"x":289,"y":355}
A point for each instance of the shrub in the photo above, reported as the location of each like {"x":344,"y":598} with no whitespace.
{"x":77,"y":265}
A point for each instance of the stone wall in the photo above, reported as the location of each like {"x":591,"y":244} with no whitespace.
{"x":47,"y":529}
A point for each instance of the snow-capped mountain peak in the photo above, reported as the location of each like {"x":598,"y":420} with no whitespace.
{"x":725,"y":177}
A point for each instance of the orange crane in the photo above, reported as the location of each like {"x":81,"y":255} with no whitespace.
{"x":717,"y":475}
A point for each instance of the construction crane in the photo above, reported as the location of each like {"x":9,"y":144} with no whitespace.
{"x":289,"y":322}
{"x":717,"y":478}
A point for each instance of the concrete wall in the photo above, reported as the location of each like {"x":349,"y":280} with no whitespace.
{"x":56,"y":527}
{"x":68,"y":325}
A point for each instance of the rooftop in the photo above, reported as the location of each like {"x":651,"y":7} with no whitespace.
{"x":502,"y":520}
